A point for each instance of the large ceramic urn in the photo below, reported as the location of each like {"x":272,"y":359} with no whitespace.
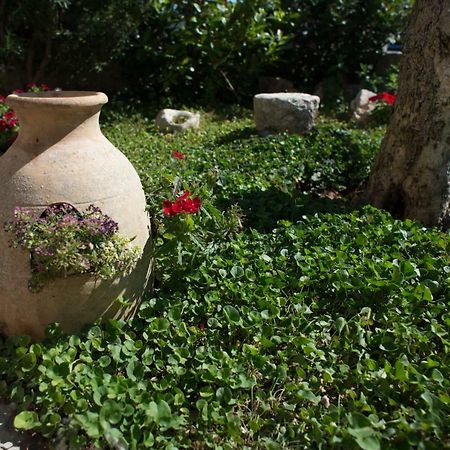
{"x":61,"y":156}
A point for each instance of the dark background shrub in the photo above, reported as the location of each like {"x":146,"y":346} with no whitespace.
{"x":204,"y":51}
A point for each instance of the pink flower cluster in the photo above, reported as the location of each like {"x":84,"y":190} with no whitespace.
{"x":182,"y":205}
{"x":386,"y":96}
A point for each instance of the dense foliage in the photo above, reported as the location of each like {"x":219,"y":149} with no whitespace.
{"x":330,"y":40}
{"x":269,"y":177}
{"x":205,"y":50}
{"x":316,"y":331}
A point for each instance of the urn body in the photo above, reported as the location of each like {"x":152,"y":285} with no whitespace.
{"x":59,"y":156}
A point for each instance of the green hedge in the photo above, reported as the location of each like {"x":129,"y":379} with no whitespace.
{"x":205,"y":51}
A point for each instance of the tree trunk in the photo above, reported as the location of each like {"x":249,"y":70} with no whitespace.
{"x":411,"y":176}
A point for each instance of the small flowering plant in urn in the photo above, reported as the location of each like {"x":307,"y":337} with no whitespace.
{"x":63,"y":241}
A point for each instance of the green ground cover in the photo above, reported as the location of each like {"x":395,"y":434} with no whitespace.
{"x":281,"y":318}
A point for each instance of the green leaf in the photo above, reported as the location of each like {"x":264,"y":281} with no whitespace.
{"x":232,"y":314}
{"x":104,"y":361}
{"x":431,"y":400}
{"x":266,"y":258}
{"x":149,"y":440}
{"x":28,"y":362}
{"x":340,"y":323}
{"x":26,"y":420}
{"x":161,"y":324}
{"x":237,"y":271}
{"x":437,"y":376}
{"x":358,"y":420}
{"x":369,"y":442}
{"x":361,"y":428}
{"x":164,"y":411}
{"x":152,"y":411}
{"x":90,"y":423}
{"x":111,"y":411}
{"x":308,"y":395}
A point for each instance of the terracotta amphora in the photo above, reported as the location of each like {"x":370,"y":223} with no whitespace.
{"x":60,"y":156}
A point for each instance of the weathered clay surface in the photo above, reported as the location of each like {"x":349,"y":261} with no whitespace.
{"x":62,"y":156}
{"x":172,"y":120}
{"x":290,"y":112}
{"x":361,"y":107}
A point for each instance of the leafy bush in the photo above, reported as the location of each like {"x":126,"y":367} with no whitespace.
{"x":175,"y":48}
{"x":208,"y":50}
{"x":330,"y":40}
{"x":204,"y":51}
{"x":378,"y":83}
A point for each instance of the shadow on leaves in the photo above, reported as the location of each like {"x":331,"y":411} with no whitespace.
{"x":236,"y":135}
{"x":263,"y":209}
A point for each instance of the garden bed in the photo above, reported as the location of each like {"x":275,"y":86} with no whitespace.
{"x":282,"y":317}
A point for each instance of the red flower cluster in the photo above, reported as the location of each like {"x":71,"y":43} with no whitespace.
{"x":40,"y":87}
{"x":178,"y":155}
{"x":8,"y":120}
{"x":386,"y":96}
{"x":182,"y":204}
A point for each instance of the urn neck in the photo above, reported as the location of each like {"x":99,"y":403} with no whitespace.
{"x":46,"y":118}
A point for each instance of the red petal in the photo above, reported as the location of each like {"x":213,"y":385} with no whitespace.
{"x":167,"y":207}
{"x":178,"y":155}
{"x":177,"y":208}
{"x":184,"y":196}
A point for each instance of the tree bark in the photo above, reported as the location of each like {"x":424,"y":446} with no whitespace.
{"x":411,"y":174}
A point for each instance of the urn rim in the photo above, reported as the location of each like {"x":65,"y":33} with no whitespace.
{"x":58,"y":98}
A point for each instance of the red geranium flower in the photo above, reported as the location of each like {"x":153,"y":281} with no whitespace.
{"x":8,"y":115}
{"x":18,"y":91}
{"x":182,"y":205}
{"x":2,"y":98}
{"x":386,"y":96}
{"x":8,"y":120}
{"x":178,"y":155}
{"x":45,"y":87}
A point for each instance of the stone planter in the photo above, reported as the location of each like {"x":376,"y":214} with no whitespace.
{"x":62,"y":156}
